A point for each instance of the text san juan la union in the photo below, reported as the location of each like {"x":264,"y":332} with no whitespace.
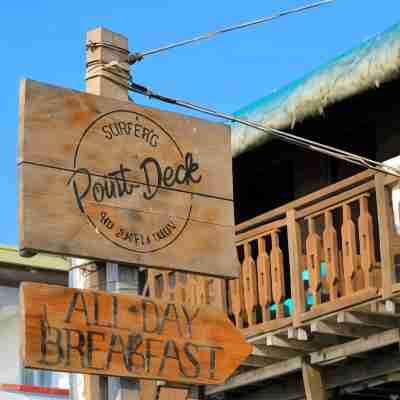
{"x":116,"y":183}
{"x":142,"y":337}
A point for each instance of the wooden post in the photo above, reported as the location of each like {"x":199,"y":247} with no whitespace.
{"x":106,"y":79}
{"x":86,"y":275}
{"x":313,"y":384}
{"x":296,"y":280}
{"x":387,"y":262}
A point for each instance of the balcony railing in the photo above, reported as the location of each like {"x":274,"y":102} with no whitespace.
{"x":328,"y":251}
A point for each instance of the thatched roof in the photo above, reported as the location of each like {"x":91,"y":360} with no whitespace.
{"x":363,"y":68}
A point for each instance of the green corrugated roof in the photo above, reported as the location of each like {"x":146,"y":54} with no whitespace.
{"x":10,"y":255}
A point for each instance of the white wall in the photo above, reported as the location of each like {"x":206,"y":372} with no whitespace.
{"x":10,"y":370}
{"x":9,"y":337}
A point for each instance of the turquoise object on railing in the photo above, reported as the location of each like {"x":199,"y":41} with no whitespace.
{"x":288,"y":303}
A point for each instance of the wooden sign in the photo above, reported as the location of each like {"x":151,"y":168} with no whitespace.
{"x":106,"y":179}
{"x":94,"y":332}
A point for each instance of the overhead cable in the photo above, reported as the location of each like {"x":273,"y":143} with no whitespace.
{"x":285,"y":136}
{"x":135,"y":57}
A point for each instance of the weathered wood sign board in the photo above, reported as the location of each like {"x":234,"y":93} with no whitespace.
{"x":93,"y":332}
{"x":106,"y":179}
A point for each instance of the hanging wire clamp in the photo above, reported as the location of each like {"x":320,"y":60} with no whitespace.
{"x":135,"y":57}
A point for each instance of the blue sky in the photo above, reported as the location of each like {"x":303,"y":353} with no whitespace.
{"x":44,"y":40}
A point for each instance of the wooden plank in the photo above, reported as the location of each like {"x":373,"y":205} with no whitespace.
{"x":276,"y":341}
{"x":11,"y":275}
{"x":120,"y":182}
{"x":260,"y":231}
{"x":279,"y":353}
{"x":362,"y":296}
{"x":303,"y":201}
{"x":258,"y":375}
{"x":266,"y":327}
{"x":313,"y":383}
{"x":334,"y":329}
{"x":345,"y":197}
{"x":385,"y":235}
{"x":168,"y":393}
{"x":95,"y":332}
{"x":258,"y":361}
{"x":354,"y":347}
{"x":336,"y":206}
{"x":298,"y":334}
{"x":386,"y":321}
{"x":148,"y":390}
{"x":353,"y":372}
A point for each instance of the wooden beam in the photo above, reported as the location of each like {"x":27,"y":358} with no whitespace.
{"x":353,"y":331}
{"x":385,"y":235}
{"x":355,"y":347}
{"x":258,"y":361}
{"x":148,"y":390}
{"x":258,"y":375}
{"x":290,"y":344}
{"x":395,"y":377}
{"x":168,"y":393}
{"x":297,"y":334}
{"x":313,"y":384}
{"x":278,"y":353}
{"x":361,"y":297}
{"x":371,"y":383}
{"x":386,"y":321}
{"x":11,"y":275}
{"x":355,"y":371}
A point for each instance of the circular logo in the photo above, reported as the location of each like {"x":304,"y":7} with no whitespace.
{"x":133,"y":181}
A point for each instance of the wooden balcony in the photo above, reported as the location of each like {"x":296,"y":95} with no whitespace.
{"x":318,"y":272}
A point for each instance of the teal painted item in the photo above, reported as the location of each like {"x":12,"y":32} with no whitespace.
{"x":288,"y":303}
{"x":363,"y":68}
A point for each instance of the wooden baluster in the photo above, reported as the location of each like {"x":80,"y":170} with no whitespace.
{"x":190,"y":290}
{"x":249,"y":283}
{"x":264,"y":280}
{"x":236,"y":300}
{"x":367,"y":243}
{"x":166,"y":290}
{"x":278,"y":275}
{"x":296,"y":267}
{"x":219,"y":289}
{"x":159,"y":285}
{"x":202,"y":290}
{"x":179,"y":287}
{"x":151,"y":282}
{"x":314,"y":257}
{"x":349,"y":250}
{"x":331,"y":253}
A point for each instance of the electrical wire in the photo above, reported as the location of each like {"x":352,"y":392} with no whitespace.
{"x":287,"y":137}
{"x":138,"y":56}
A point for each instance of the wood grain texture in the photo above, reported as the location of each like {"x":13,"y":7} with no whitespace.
{"x":95,"y":332}
{"x":112,"y":180}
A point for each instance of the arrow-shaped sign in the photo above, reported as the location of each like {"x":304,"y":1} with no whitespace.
{"x":95,"y":332}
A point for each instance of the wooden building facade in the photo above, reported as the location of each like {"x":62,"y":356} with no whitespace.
{"x":317,"y":238}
